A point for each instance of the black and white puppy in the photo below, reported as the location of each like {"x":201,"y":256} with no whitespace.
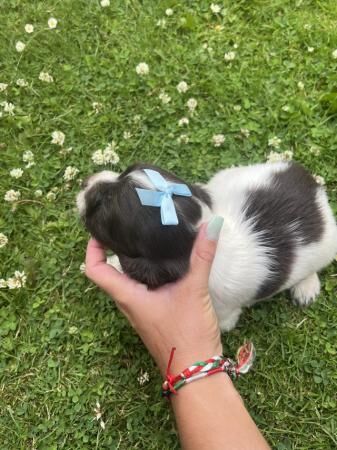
{"x":278,"y":231}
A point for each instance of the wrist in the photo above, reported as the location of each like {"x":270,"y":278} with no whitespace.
{"x":218,"y":382}
{"x":185,"y":358}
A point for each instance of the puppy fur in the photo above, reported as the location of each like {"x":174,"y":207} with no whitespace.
{"x":278,"y":231}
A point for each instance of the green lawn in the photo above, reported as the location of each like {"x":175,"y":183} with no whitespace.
{"x":64,"y":346}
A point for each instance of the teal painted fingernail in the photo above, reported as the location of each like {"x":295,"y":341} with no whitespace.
{"x":214,"y":227}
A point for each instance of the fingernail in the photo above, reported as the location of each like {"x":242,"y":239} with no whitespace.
{"x":214,"y":227}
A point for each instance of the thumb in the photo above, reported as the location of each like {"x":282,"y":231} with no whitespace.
{"x":204,"y":250}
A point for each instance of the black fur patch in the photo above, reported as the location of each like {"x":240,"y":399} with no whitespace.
{"x":289,"y":201}
{"x":149,"y":252}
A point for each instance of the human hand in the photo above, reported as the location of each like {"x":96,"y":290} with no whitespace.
{"x":178,"y":314}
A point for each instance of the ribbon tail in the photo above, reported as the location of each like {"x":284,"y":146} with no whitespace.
{"x":168,"y":211}
{"x":149,"y":198}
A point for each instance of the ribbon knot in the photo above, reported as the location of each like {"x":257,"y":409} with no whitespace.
{"x":162,"y":197}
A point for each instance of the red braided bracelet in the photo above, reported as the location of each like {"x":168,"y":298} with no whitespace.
{"x":244,"y":360}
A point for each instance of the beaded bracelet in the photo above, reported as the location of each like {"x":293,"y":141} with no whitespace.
{"x":244,"y":361}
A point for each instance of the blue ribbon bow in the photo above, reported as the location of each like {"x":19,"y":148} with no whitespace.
{"x":162,"y":197}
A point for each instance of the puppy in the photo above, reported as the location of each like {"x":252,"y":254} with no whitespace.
{"x":278,"y":231}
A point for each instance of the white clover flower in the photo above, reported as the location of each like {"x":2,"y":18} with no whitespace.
{"x":137,"y":118}
{"x":288,"y":155}
{"x":245,"y":132}
{"x":65,"y":151}
{"x":29,"y":28}
{"x":315,"y":150}
{"x":97,"y":411}
{"x":218,"y":140}
{"x":237,"y":108}
{"x":28,"y":157}
{"x":165,"y":98}
{"x":97,"y":107}
{"x":3,"y":240}
{"x":21,"y":82}
{"x":169,"y":12}
{"x":98,"y":158}
{"x":235,"y":46}
{"x":46,"y":77}
{"x":310,"y":49}
{"x":72,"y":330}
{"x":3,"y":87}
{"x":70,"y":173}
{"x":105,"y":3}
{"x":3,"y":283}
{"x":216,"y":9}
{"x":52,"y":23}
{"x":230,"y":56}
{"x":183,"y":139}
{"x":106,"y":156}
{"x":142,"y":69}
{"x":307,"y":26}
{"x":18,"y":281}
{"x":143,"y":378}
{"x":38,"y":193}
{"x":277,"y":157}
{"x":13,"y":283}
{"x":112,"y":146}
{"x":334,"y":54}
{"x":16,"y":173}
{"x":110,"y":156}
{"x":182,"y":87}
{"x":98,"y":415}
{"x":161,"y":23}
{"x":20,"y":46}
{"x":192,"y":104}
{"x":274,"y":142}
{"x":300,"y":85}
{"x":285,"y":108}
{"x":12,"y":196}
{"x":82,"y":268}
{"x":51,"y":196}
{"x":21,"y":277}
{"x":58,"y":138}
{"x":274,"y":157}
{"x":127,"y":135}
{"x":183,"y":121}
{"x":8,"y":107}
{"x":319,"y":180}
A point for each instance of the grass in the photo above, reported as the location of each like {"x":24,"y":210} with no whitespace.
{"x":63,"y":343}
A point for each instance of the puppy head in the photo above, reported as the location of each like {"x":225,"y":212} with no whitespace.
{"x":148,"y":251}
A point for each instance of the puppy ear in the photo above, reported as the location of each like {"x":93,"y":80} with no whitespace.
{"x":154,"y":273}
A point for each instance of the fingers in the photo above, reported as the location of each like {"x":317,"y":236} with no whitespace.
{"x":204,"y":250}
{"x":116,"y":284}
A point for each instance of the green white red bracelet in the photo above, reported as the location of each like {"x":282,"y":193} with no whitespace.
{"x":244,"y":361}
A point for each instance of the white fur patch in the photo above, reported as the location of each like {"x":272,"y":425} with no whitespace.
{"x":140,"y":177}
{"x":242,"y":263}
{"x":104,"y":176}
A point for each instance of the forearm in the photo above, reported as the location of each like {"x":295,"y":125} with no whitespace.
{"x":210,"y":414}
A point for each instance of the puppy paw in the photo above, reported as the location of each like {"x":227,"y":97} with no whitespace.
{"x":306,"y":291}
{"x":230,"y":321}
